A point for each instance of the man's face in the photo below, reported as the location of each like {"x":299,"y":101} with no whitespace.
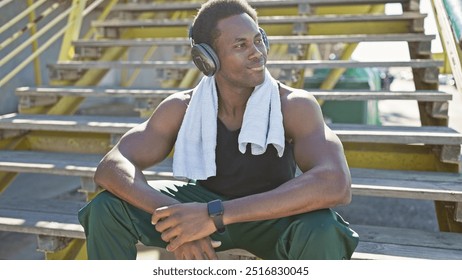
{"x":241,"y":51}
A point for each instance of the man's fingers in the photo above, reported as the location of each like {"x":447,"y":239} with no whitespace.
{"x":210,"y":252}
{"x":159,"y":214}
{"x":215,"y":243}
{"x":174,"y":244}
{"x":169,"y":235}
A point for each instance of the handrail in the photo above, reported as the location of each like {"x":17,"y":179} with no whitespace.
{"x":33,"y":30}
{"x":454,"y":55}
{"x":44,"y":46}
{"x":21,"y":15}
{"x":29,"y":25}
{"x":5,"y":2}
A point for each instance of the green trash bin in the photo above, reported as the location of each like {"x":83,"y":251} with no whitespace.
{"x":354,"y":112}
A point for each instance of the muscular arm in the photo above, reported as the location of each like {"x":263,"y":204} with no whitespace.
{"x":120,"y":171}
{"x":325,"y":181}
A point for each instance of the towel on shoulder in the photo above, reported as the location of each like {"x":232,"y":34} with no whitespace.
{"x":262,"y":125}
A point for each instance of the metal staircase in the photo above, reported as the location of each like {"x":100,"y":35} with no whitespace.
{"x":136,"y":53}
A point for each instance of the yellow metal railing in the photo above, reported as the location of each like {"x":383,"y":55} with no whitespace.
{"x":452,"y":52}
{"x":69,"y":28}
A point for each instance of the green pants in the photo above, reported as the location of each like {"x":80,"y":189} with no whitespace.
{"x":113,"y":228}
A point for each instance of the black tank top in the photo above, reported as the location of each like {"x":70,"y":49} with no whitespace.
{"x":244,"y":174}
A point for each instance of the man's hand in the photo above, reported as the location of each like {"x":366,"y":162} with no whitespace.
{"x":182,"y":223}
{"x":202,"y":249}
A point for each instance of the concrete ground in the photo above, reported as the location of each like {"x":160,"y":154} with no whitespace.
{"x":362,"y":210}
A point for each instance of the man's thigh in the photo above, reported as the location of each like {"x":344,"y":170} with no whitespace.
{"x":320,"y":234}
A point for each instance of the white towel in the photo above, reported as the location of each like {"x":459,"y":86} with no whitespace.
{"x":194,"y":156}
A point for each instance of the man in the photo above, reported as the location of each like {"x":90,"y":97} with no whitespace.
{"x":243,"y":199}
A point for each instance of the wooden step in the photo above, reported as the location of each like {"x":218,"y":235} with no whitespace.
{"x":441,"y":186}
{"x":68,"y":164}
{"x":351,"y":95}
{"x":396,"y":243}
{"x":299,"y":39}
{"x":193,"y":6}
{"x":50,"y":217}
{"x":431,"y":135}
{"x":93,"y":48}
{"x":279,"y":64}
{"x":265,"y":20}
{"x":423,"y":185}
{"x":56,"y":218}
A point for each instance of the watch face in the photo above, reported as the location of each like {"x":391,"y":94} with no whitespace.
{"x":215,"y":208}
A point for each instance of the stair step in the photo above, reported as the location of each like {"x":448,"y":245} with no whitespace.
{"x":189,"y":6}
{"x":68,"y":164}
{"x":423,"y":185}
{"x":302,"y":39}
{"x":278,"y":64}
{"x":431,"y":135}
{"x":442,"y":186}
{"x":57,"y":218}
{"x":42,"y":217}
{"x":265,"y":20}
{"x":422,"y":95}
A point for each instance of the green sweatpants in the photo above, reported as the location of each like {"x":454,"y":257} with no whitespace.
{"x":113,"y":228}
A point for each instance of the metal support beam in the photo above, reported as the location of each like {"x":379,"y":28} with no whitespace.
{"x":73,"y":30}
{"x":449,"y":154}
{"x":459,"y":212}
{"x":47,"y":243}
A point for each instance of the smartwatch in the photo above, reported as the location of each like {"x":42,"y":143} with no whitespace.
{"x":216,"y":210}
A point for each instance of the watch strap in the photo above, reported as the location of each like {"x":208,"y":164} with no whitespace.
{"x":215,"y":209}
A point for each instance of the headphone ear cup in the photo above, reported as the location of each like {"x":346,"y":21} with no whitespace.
{"x":264,"y":37}
{"x":205,"y":59}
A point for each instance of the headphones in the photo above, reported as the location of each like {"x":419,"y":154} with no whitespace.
{"x":205,"y":58}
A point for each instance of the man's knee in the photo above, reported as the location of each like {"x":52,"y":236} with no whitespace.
{"x":98,"y":209}
{"x":321,"y":235}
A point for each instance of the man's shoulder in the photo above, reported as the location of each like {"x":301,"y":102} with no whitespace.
{"x":293,"y":96}
{"x":184,"y":96}
{"x":177,"y":100}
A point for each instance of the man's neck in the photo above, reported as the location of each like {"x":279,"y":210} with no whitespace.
{"x":231,"y":106}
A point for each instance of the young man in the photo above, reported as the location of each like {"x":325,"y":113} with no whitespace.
{"x":238,"y":196}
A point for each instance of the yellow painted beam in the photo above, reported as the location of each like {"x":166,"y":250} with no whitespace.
{"x":8,"y":144}
{"x":5,"y":179}
{"x":89,"y":143}
{"x":446,"y":68}
{"x":73,"y":31}
{"x":75,"y":250}
{"x":397,"y":157}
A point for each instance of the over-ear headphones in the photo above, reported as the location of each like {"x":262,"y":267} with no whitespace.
{"x":205,"y":58}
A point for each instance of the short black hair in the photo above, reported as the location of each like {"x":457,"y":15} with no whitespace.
{"x":204,"y":26}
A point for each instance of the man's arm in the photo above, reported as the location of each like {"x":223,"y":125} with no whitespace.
{"x":147,"y":144}
{"x":325,"y":181}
